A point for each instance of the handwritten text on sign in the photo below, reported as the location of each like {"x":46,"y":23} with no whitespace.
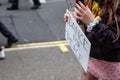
{"x":77,"y":41}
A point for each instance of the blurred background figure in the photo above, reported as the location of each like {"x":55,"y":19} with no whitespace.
{"x":15,"y":5}
{"x":10,"y":37}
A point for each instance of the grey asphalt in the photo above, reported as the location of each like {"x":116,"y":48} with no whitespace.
{"x":39,"y":64}
{"x":42,"y":25}
{"x":36,"y":26}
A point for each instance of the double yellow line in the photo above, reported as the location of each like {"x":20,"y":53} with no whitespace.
{"x":61,"y":44}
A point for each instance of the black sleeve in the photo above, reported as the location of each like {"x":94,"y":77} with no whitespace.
{"x":105,"y":33}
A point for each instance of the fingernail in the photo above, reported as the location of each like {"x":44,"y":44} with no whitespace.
{"x":79,"y":1}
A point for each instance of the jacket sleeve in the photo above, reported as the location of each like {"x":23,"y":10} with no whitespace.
{"x":105,"y":33}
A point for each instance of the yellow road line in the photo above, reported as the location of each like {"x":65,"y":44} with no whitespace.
{"x":61,"y":44}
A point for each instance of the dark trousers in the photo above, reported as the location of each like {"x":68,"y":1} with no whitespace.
{"x":4,"y":30}
{"x":9,"y":0}
{"x":36,"y":2}
{"x":15,"y":3}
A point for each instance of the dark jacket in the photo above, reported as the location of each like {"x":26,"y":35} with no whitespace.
{"x":102,"y":38}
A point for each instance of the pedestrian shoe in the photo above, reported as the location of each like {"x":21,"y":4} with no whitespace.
{"x":2,"y":55}
{"x":36,"y":6}
{"x":12,"y":8}
{"x":10,"y":43}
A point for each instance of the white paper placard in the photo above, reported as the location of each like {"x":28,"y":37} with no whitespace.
{"x":78,"y":41}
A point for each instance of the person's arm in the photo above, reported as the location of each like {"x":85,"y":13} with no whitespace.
{"x":105,"y":33}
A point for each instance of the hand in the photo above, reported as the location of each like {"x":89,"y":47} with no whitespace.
{"x":83,"y":13}
{"x":66,"y":17}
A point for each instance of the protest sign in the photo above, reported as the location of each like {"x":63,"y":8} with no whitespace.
{"x":78,"y":41}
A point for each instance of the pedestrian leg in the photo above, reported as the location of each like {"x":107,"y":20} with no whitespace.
{"x":10,"y":37}
{"x":14,"y":5}
{"x":36,"y":4}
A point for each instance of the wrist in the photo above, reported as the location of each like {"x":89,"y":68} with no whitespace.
{"x":92,"y":24}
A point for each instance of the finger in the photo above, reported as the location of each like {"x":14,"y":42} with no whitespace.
{"x":65,"y":17}
{"x":78,"y":17}
{"x":79,"y":8}
{"x":77,"y":12}
{"x":82,"y":5}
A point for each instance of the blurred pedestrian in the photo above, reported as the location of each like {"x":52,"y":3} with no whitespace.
{"x":102,"y":24}
{"x":10,"y":37}
{"x":15,"y":5}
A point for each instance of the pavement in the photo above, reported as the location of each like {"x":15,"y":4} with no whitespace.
{"x":42,"y":53}
{"x":42,"y":25}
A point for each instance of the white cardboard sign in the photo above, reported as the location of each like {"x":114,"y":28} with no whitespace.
{"x":78,"y":41}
